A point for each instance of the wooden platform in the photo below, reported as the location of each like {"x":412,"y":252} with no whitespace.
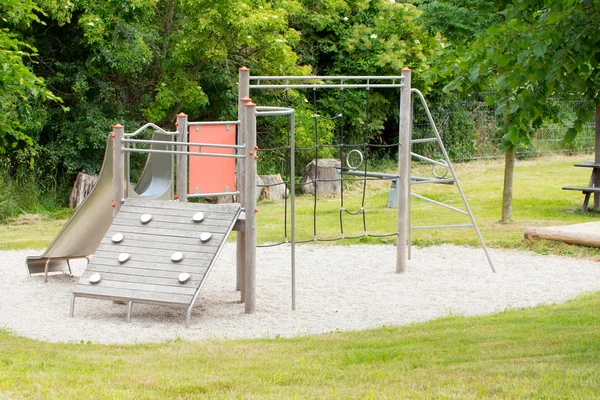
{"x":149,"y":275}
{"x":586,"y":234}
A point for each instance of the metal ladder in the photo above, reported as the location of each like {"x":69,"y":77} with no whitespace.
{"x":448,"y":165}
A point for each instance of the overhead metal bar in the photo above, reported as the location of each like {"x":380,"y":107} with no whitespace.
{"x":328,"y":78}
{"x":188,"y":153}
{"x":328,"y":86}
{"x":223,"y":146}
{"x":200,"y":123}
{"x":273,"y":111}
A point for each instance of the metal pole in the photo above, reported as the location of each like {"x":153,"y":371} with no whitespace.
{"x":118,"y":168}
{"x":293,"y":203}
{"x":244,"y":91}
{"x":250,"y":194}
{"x":596,"y":172}
{"x":403,"y":172}
{"x":182,"y":159}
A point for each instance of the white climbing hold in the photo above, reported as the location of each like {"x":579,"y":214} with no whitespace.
{"x":123,"y":257}
{"x":177,"y":256}
{"x":117,"y":237}
{"x":198,"y":217}
{"x":95,"y":278}
{"x":205,"y":236}
{"x":146,"y":218}
{"x":184,"y":277}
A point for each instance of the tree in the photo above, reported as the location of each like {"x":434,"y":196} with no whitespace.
{"x":543,"y":49}
{"x":21,"y":91}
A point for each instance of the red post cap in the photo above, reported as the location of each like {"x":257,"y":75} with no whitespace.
{"x":181,"y":115}
{"x":406,"y":69}
{"x":117,"y":126}
{"x":244,"y":69}
{"x":250,"y":104}
{"x":245,"y":98}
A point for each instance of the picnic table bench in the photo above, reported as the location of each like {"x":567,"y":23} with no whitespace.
{"x":587,"y":190}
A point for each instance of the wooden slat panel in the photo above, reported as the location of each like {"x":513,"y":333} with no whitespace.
{"x":196,"y":274}
{"x":149,"y":275}
{"x":164,"y":232}
{"x":195,"y":266}
{"x":139,"y":211}
{"x":142,"y":255}
{"x":136,"y":238}
{"x":133,"y":295}
{"x":166,"y":280}
{"x":207,"y":221}
{"x":179,"y":205}
{"x":158,"y":249}
{"x":144,"y":287}
{"x":218,"y":226}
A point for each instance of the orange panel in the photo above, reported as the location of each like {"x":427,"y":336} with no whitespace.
{"x":212,"y":174}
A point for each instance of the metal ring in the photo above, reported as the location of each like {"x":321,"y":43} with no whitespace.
{"x":360,"y":155}
{"x":434,"y":172}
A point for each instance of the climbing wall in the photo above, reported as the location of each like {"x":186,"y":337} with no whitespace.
{"x":158,"y":252}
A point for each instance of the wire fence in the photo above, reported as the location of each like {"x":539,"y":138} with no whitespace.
{"x":472,"y":130}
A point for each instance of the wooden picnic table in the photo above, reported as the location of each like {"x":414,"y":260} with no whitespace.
{"x":591,"y":188}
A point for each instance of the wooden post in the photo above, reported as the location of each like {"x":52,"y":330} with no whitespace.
{"x":118,"y":168}
{"x":404,"y":172}
{"x":250,"y":194}
{"x":182,"y":159}
{"x":243,"y":98}
{"x":597,"y":158}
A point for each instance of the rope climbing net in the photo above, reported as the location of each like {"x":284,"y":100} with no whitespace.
{"x":344,"y":149}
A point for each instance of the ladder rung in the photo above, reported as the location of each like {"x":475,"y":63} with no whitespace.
{"x":433,"y":180}
{"x":427,"y":140}
{"x":412,"y":228}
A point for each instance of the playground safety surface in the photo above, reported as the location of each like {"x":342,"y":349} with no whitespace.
{"x":338,"y":288}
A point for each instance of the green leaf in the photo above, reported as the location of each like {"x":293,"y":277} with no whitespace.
{"x":539,"y":49}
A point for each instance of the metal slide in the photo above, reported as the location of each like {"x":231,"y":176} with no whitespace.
{"x":83,"y":232}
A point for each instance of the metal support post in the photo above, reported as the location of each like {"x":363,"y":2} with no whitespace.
{"x":182,"y":159}
{"x":118,"y":168}
{"x":250,"y":205}
{"x":243,"y":99}
{"x":404,"y":172}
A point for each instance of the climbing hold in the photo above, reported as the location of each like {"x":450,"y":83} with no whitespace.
{"x":176,"y":257}
{"x":123,"y":257}
{"x":95,"y":278}
{"x":146,"y":218}
{"x":184,"y":277}
{"x":205,"y":236}
{"x":117,"y":237}
{"x":198,"y":217}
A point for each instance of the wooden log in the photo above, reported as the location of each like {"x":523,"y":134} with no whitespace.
{"x":586,"y":234}
{"x":83,"y":186}
{"x":276,"y":191}
{"x":323,"y":176}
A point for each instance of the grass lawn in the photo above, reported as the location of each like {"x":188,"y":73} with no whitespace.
{"x":550,"y":351}
{"x":544,"y":352}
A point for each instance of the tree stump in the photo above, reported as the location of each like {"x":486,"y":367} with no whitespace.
{"x":84,"y":184}
{"x":323,"y":176}
{"x":277,"y":191}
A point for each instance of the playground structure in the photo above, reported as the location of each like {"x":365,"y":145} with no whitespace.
{"x":161,"y":252}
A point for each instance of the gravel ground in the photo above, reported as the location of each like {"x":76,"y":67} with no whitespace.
{"x":338,"y":288}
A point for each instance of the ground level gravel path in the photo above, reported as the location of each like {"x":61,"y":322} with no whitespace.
{"x":338,"y":288}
